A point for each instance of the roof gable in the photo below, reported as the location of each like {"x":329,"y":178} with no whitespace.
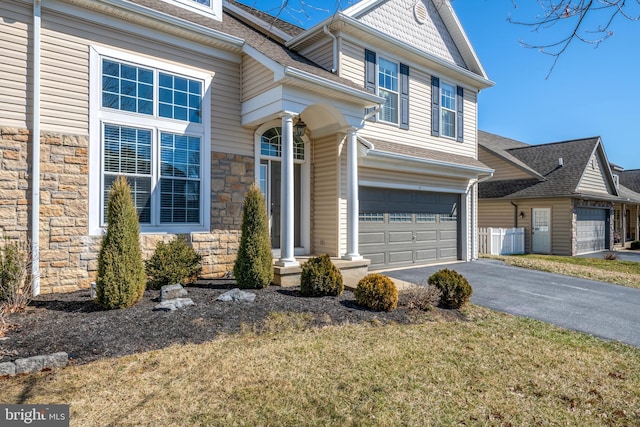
{"x":563,"y":166}
{"x":416,"y":23}
{"x":630,"y":179}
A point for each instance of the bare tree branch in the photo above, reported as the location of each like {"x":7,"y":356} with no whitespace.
{"x":577,"y":17}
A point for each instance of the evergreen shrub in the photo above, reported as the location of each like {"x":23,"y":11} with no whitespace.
{"x":320,"y":277}
{"x":454,"y":287}
{"x":254,"y":265}
{"x":121,"y":276}
{"x":173,"y":262}
{"x":377,"y":292}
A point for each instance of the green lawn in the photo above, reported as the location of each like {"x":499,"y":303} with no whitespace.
{"x":489,"y":369}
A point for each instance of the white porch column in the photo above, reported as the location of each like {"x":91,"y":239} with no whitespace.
{"x":287,"y":218}
{"x":352,"y":197}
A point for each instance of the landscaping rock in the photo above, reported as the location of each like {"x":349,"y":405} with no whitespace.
{"x":237,"y":295}
{"x":173,"y":304}
{"x":30,"y":364}
{"x":55,"y":360}
{"x":7,"y":368}
{"x":169,"y":292}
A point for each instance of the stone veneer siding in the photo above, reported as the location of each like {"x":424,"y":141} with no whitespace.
{"x":68,"y":255}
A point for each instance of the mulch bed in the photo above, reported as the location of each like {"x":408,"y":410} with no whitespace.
{"x":72,"y":323}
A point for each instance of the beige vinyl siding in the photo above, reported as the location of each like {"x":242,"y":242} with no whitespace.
{"x":498,"y":213}
{"x":419,"y":132}
{"x":65,"y":74}
{"x":594,"y":179}
{"x":15,"y":61}
{"x":321,"y":53}
{"x":503,"y":169}
{"x":324,"y":196}
{"x":256,"y":78}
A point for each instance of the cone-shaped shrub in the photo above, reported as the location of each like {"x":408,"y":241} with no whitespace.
{"x":173,"y":262}
{"x":320,"y":277}
{"x":456,"y":290}
{"x":254,"y":266}
{"x":121,"y":275}
{"x":377,"y":292}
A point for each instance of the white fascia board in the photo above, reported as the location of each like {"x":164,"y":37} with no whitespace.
{"x":481,"y":81}
{"x":276,"y":32}
{"x":454,"y":26}
{"x":366,"y":98}
{"x":266,"y":105}
{"x":167,"y":22}
{"x":462,"y":189}
{"x":274,"y":66}
{"x":404,"y":163}
{"x":360,"y":7}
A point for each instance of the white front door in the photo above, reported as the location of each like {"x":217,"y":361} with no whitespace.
{"x":541,"y":230}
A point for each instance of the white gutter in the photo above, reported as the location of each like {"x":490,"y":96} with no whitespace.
{"x":35,"y":142}
{"x":334,"y":69}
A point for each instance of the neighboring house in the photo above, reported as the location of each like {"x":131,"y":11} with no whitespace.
{"x":361,"y":131}
{"x":627,"y":215}
{"x":562,"y":193}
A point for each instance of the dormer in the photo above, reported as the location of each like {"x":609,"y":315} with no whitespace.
{"x":209,"y":8}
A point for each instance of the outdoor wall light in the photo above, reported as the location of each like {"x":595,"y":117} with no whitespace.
{"x":521,"y":214}
{"x":299,"y":128}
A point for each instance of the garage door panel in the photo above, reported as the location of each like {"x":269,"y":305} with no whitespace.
{"x":400,"y":236}
{"x":396,"y":257}
{"x":426,"y":255}
{"x":427,"y":236}
{"x":591,"y":230}
{"x":403,"y":227}
{"x":372,"y":238}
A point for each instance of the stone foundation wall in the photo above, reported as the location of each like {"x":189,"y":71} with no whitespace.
{"x":68,"y":255}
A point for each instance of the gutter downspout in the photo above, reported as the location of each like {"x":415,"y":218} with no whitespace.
{"x":515,"y":214}
{"x":334,"y":69}
{"x":35,"y":142}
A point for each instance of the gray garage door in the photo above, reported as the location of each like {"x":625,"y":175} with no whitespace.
{"x":592,"y":230}
{"x":399,"y":227}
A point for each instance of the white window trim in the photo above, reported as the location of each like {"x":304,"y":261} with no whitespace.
{"x":396,"y":92}
{"x":98,"y":116}
{"x":214,"y":10}
{"x":455,"y":110}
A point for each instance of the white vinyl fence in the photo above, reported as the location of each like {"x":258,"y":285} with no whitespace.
{"x":501,"y":241}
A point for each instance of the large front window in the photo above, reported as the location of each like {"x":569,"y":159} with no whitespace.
{"x":388,"y":89}
{"x":152,"y":124}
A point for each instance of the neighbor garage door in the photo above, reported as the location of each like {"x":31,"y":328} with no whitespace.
{"x":591,"y":230}
{"x":399,"y":227}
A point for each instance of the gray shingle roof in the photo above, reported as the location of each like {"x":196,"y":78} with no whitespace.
{"x":259,"y":41}
{"x":558,"y":181}
{"x":287,"y":27}
{"x":425,"y":153}
{"x":631,"y":179}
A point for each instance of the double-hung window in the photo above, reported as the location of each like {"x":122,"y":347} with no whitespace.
{"x":150,"y":124}
{"x":388,"y":89}
{"x":389,"y":80}
{"x":447,"y":102}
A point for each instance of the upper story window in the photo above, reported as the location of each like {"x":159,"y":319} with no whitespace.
{"x":448,"y":110}
{"x":388,"y":89}
{"x":151,"y":125}
{"x":390,"y":80}
{"x":447,"y":113}
{"x":210,"y":8}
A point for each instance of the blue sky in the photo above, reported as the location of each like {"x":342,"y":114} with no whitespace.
{"x":590,"y":92}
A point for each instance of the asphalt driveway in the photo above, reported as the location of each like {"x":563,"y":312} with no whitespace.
{"x":601,"y":309}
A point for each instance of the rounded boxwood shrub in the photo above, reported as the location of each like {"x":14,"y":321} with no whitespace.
{"x":173,"y":262}
{"x":253,"y":268}
{"x":454,"y":287}
{"x":320,"y":277}
{"x":635,"y":245}
{"x":377,"y":292}
{"x":121,"y":278}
